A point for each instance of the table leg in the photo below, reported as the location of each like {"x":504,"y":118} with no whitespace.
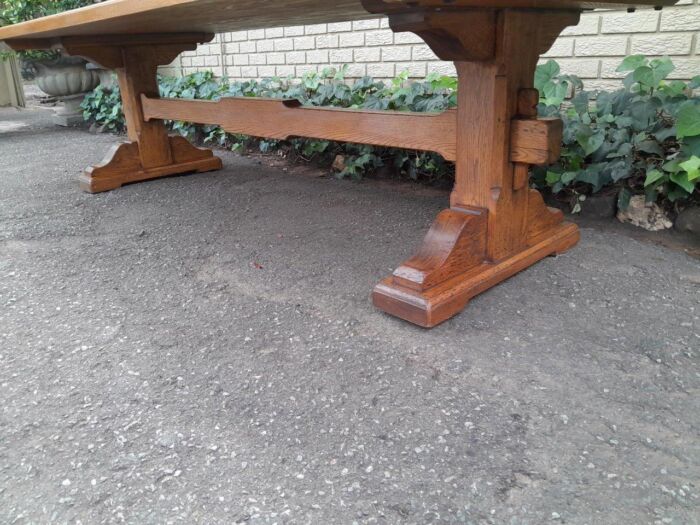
{"x":496,"y":225}
{"x":150,"y":152}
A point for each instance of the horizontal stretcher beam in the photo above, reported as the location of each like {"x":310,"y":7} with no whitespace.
{"x":533,"y":141}
{"x":282,"y":119}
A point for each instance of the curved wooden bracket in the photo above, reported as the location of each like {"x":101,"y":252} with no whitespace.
{"x":455,"y":243}
{"x":452,"y":267}
{"x":123,"y":165}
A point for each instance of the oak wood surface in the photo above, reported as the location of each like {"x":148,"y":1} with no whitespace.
{"x":498,"y":136}
{"x":212,"y":16}
{"x":282,"y":119}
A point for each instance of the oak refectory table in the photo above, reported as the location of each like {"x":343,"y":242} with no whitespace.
{"x":495,"y":225}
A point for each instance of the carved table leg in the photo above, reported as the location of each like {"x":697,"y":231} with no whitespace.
{"x":150,"y":152}
{"x":496,"y":226}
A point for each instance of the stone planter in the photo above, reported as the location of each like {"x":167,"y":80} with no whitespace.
{"x":67,"y":79}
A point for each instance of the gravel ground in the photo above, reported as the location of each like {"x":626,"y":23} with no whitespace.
{"x":202,"y":349}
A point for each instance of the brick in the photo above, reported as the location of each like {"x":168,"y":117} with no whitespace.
{"x":198,"y":61}
{"x":294,"y":31}
{"x":247,"y":47}
{"x":681,"y":18}
{"x":264,"y":46}
{"x":256,"y":34}
{"x":342,"y":56}
{"x":362,"y":25}
{"x":589,"y":25}
{"x":249,"y":72}
{"x":396,"y":53}
{"x":258,"y":59}
{"x":211,"y":61}
{"x":367,"y":54}
{"x":266,"y":71}
{"x":423,"y":52}
{"x":356,"y":71}
{"x":241,"y":60}
{"x":380,"y":70}
{"x":300,"y":71}
{"x":319,"y":56}
{"x":562,"y":47}
{"x":582,"y":67}
{"x":326,"y":41}
{"x":407,"y":38}
{"x":274,"y":32}
{"x":442,"y":68}
{"x":233,"y":47}
{"x":662,"y":44}
{"x":304,"y":42}
{"x":315,"y":29}
{"x":285,"y":71}
{"x":352,"y":39}
{"x":233,"y":72}
{"x":284,"y":44}
{"x":415,"y":69}
{"x":382,"y":37}
{"x":641,"y":21}
{"x":601,"y":46}
{"x":218,"y":71}
{"x":296,"y":57}
{"x":339,"y":26}
{"x":238,"y":36}
{"x":275,"y":58}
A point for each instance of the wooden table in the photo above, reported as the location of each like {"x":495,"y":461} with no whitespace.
{"x":495,"y":225}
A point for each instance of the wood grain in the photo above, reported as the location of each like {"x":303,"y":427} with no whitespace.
{"x":122,"y":165}
{"x":498,"y":136}
{"x":283,"y":119}
{"x":536,"y":141}
{"x":215,"y":16}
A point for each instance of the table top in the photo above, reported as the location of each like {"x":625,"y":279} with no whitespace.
{"x":215,"y":16}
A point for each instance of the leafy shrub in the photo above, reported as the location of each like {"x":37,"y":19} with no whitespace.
{"x":643,"y":138}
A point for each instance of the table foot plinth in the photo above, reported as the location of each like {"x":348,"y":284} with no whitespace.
{"x":452,"y":267}
{"x":123,"y":165}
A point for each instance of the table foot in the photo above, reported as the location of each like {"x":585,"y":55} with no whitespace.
{"x":451,"y":267}
{"x":123,"y":165}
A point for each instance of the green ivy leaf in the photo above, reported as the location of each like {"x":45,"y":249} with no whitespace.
{"x":552,"y":177}
{"x":688,"y":120}
{"x":694,"y":82}
{"x":545,"y":73}
{"x":589,"y":141}
{"x":653,"y":176}
{"x":692,"y":167}
{"x":632,"y":62}
{"x":681,"y":179}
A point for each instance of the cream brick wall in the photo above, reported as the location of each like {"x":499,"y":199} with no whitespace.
{"x":593,"y":49}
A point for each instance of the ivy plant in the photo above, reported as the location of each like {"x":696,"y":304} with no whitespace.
{"x":644,"y":137}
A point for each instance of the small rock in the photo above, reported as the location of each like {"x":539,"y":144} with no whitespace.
{"x":339,"y":163}
{"x":648,"y":216}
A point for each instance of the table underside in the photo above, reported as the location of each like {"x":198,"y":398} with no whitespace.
{"x":215,"y":16}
